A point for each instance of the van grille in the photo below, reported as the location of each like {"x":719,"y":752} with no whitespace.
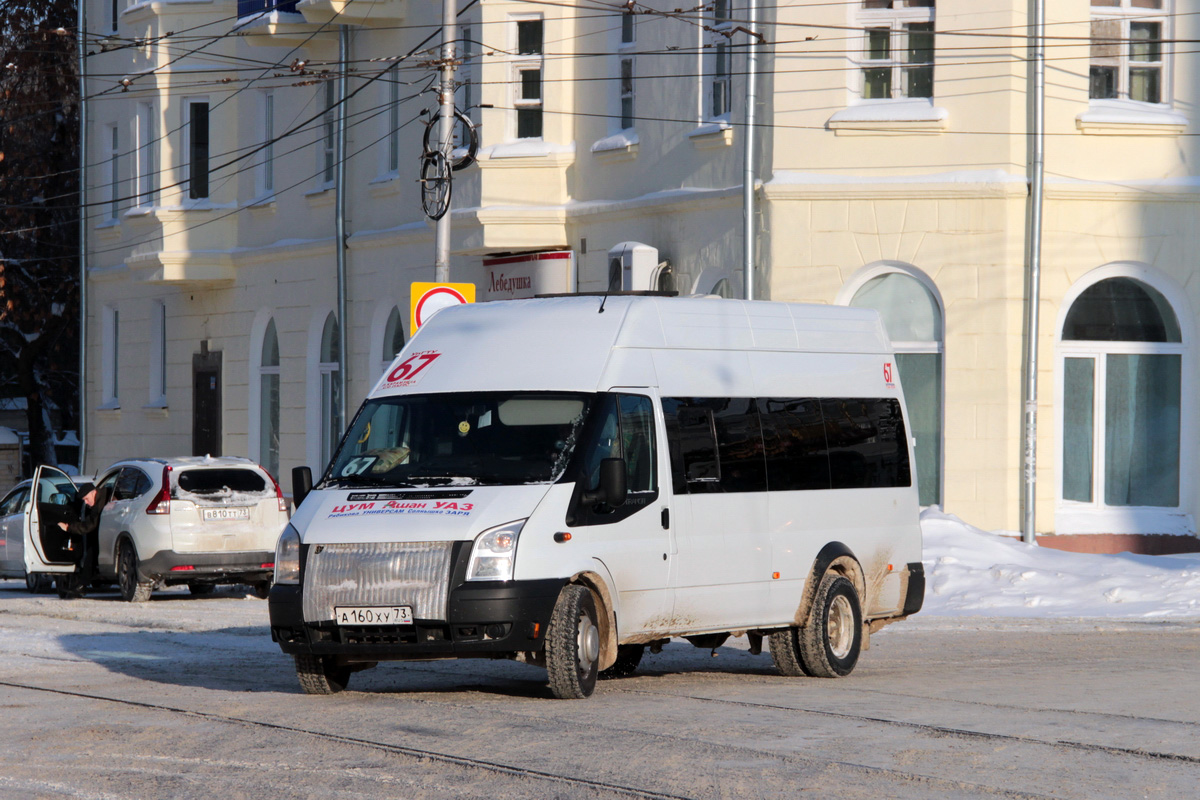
{"x":414,"y":574}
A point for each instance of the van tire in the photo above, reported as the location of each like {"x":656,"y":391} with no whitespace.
{"x":831,"y":641}
{"x":129,"y":579}
{"x":573,"y":644}
{"x":628,"y":658}
{"x":320,"y":675}
{"x":785,"y":652}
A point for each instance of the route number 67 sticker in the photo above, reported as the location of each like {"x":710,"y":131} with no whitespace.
{"x":406,"y":372}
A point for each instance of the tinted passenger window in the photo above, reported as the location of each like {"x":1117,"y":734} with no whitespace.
{"x":720,"y":443}
{"x":637,"y":440}
{"x":127,"y":483}
{"x":867,"y":443}
{"x":795,"y":445}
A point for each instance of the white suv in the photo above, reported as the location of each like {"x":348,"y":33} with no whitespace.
{"x":194,"y":521}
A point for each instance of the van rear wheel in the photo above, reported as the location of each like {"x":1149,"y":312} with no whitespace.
{"x":320,"y":675}
{"x":831,"y":641}
{"x":573,"y":644}
{"x":785,"y":652}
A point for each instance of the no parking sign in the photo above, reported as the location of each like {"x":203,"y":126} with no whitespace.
{"x":429,"y":298}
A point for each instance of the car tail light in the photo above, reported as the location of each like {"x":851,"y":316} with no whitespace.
{"x":161,"y":504}
{"x":183,"y":568}
{"x":283,"y":506}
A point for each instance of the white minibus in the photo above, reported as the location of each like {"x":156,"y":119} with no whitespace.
{"x":568,"y":481}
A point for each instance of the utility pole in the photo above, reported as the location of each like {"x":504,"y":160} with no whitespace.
{"x":446,"y":133}
{"x":1033,"y":256}
{"x":748,"y":232}
{"x":81,"y":45}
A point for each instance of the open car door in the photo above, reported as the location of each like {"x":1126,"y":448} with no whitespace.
{"x":54,"y":499}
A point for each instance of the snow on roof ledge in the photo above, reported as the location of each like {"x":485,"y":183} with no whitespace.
{"x":8,"y":436}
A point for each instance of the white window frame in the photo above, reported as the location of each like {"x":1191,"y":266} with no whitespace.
{"x":1074,"y":516}
{"x":895,"y":21}
{"x":110,"y":357}
{"x":522,"y":63}
{"x":265,"y":371}
{"x":1126,"y":15}
{"x":389,"y":162}
{"x":466,"y":98}
{"x":266,"y":164}
{"x":146,"y":158}
{"x":158,"y":355}
{"x":330,"y":405}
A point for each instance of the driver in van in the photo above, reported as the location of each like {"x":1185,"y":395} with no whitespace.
{"x":86,"y":528}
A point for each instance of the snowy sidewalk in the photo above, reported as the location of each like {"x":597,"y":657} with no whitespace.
{"x":971,"y":572}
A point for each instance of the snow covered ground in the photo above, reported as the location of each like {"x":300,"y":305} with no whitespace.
{"x":971,"y":572}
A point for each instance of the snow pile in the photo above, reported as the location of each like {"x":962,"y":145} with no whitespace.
{"x":971,"y":572}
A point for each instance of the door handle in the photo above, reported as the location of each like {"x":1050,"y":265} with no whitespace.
{"x":666,"y":519}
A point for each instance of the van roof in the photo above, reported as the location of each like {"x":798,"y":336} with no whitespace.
{"x":566,"y":344}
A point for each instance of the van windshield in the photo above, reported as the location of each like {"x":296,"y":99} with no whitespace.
{"x":460,"y":439}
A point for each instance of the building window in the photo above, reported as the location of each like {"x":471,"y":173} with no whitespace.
{"x":114,"y":15}
{"x":1127,"y":61}
{"x":146,"y":156}
{"x":1121,"y":370}
{"x":895,"y":58}
{"x":198,"y":148}
{"x":268,"y":401}
{"x":393,"y":338}
{"x":110,"y":356}
{"x":329,"y":134}
{"x":627,"y":93}
{"x":331,"y":389}
{"x":266,"y":169}
{"x":527,"y":87}
{"x":912,"y":315}
{"x":465,"y":98}
{"x":391,"y":122}
{"x":719,"y":69}
{"x":113,"y":173}
{"x":158,"y":354}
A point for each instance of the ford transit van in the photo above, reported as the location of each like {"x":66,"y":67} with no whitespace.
{"x":568,"y":481}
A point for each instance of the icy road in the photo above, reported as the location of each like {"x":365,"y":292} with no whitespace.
{"x":185,"y":697}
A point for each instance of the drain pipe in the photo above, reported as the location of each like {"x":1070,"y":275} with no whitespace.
{"x":1033,"y":289}
{"x":340,"y":221}
{"x":81,"y":46}
{"x":748,"y":242}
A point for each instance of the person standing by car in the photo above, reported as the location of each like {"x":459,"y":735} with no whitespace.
{"x":85,"y":527}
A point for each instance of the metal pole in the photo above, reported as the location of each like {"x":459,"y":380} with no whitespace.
{"x":81,"y":46}
{"x":446,"y":131}
{"x":1033,"y":256}
{"x":340,"y":222}
{"x":748,"y":240}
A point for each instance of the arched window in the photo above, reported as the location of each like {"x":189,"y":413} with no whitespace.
{"x":268,"y":401}
{"x":331,"y":391}
{"x":393,"y":338}
{"x":1121,"y":370}
{"x":912,"y":315}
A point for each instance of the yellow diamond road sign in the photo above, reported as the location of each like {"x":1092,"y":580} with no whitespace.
{"x":429,"y":298}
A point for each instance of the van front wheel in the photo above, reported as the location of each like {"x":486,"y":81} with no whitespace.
{"x":573,"y":644}
{"x":320,"y":675}
{"x":831,"y":641}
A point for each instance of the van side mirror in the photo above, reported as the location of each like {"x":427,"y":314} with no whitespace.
{"x":301,"y":484}
{"x":613,"y":488}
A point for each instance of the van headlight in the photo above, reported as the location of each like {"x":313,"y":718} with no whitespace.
{"x":287,"y":556}
{"x":493,"y":554}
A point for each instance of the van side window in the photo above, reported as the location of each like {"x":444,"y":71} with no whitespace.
{"x":794,"y":439}
{"x":622,"y":426}
{"x":867,"y":443}
{"x":637,"y":441}
{"x":717,"y":444}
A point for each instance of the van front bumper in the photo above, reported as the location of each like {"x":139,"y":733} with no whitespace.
{"x":487,"y":619}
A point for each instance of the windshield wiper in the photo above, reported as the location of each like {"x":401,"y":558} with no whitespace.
{"x":365,"y":480}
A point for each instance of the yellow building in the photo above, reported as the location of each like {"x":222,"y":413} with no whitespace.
{"x":892,"y":151}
